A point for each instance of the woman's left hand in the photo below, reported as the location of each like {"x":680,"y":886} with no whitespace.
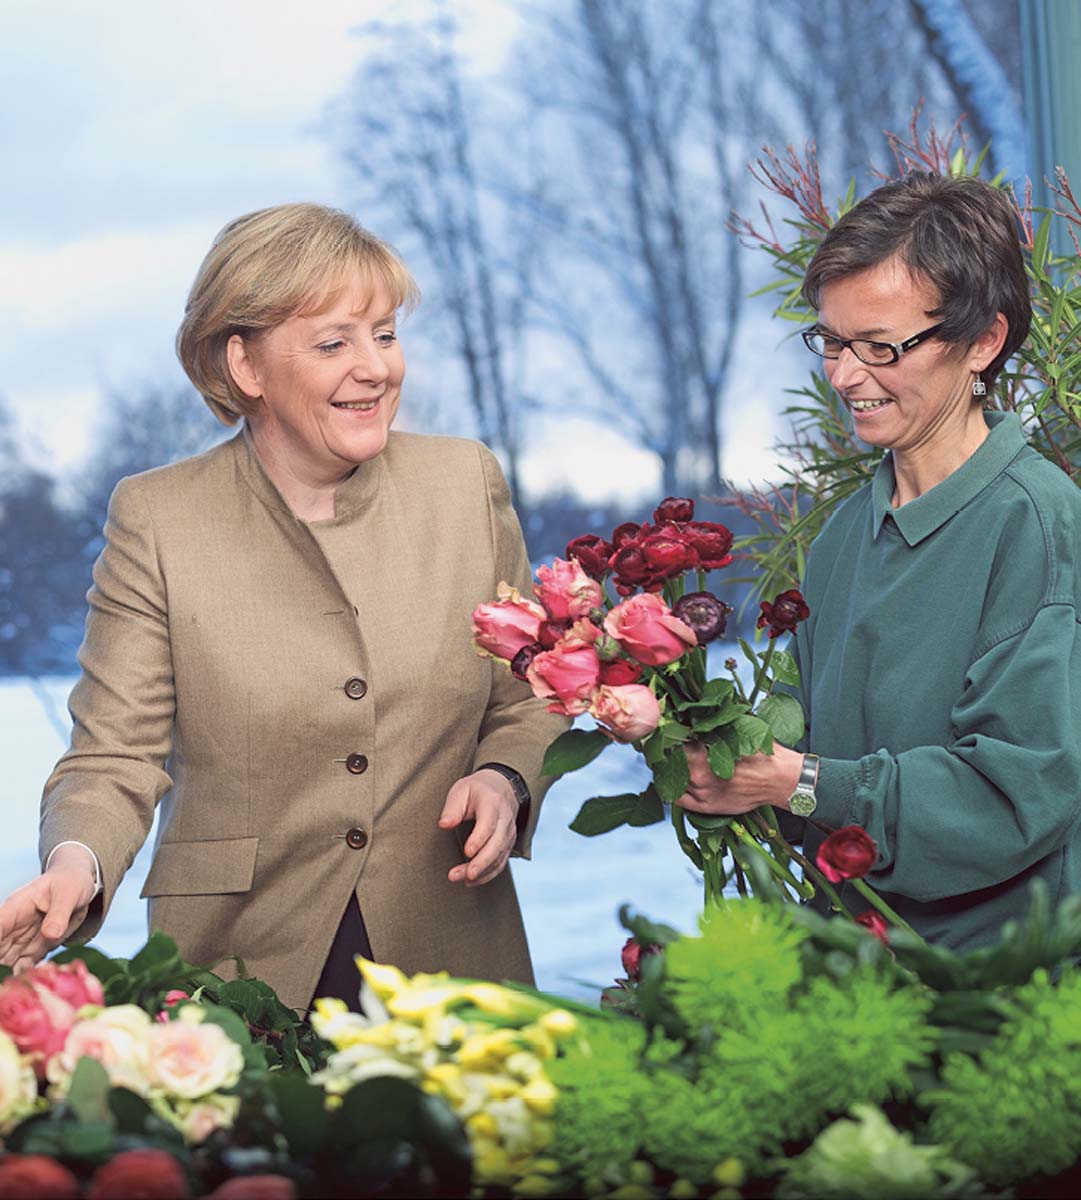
{"x":758,"y":779}
{"x":487,"y":799}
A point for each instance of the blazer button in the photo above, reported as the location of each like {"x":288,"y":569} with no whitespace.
{"x":356,"y":764}
{"x":356,"y":688}
{"x":356,"y":839}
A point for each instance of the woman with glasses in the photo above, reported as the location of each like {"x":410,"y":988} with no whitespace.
{"x":941,"y":663}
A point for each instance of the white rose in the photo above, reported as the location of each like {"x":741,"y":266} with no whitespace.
{"x":116,"y":1037}
{"x":191,"y":1057}
{"x":18,"y":1084}
{"x":198,"y":1119}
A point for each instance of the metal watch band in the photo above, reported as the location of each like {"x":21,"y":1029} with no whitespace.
{"x":808,"y":776}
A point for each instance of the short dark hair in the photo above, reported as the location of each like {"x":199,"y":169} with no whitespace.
{"x":956,"y":231}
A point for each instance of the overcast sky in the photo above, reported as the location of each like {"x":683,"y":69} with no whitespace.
{"x":132,"y":133}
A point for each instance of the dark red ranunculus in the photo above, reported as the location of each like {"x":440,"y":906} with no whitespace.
{"x":876,"y":923}
{"x":36,"y":1177}
{"x":785,"y":613}
{"x":704,"y":613}
{"x":673,"y":508}
{"x":630,"y":568}
{"x":592,"y":553}
{"x":619,"y":672}
{"x":148,"y":1174}
{"x":549,"y":632}
{"x":712,"y":541}
{"x":627,"y":532}
{"x":848,"y":853}
{"x":668,"y":552}
{"x":520,"y":663}
{"x":632,"y":954}
{"x":255,"y":1187}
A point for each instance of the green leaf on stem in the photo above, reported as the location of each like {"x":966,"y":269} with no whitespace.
{"x":602,"y":814}
{"x":722,"y":762}
{"x":724,"y":715}
{"x":784,"y":668}
{"x":672,"y":776}
{"x":752,"y":734}
{"x":88,"y":1094}
{"x":572,"y":750}
{"x":784,"y":715}
{"x":653,"y":748}
{"x":714,"y":692}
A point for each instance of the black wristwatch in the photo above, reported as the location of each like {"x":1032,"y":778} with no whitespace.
{"x":521,"y":788}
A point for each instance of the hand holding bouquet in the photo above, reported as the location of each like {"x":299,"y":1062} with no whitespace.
{"x":613,"y":631}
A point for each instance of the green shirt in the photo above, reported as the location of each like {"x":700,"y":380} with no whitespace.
{"x":941,"y":673}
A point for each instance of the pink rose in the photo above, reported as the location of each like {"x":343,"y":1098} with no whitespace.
{"x":511,"y":623}
{"x":566,"y":675}
{"x":629,"y":710}
{"x":648,"y":631}
{"x":72,"y":982}
{"x":170,"y":1000}
{"x":566,"y":591}
{"x":191,"y":1057}
{"x":117,"y":1038}
{"x":36,"y":1019}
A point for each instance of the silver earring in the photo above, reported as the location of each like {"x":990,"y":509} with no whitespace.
{"x":979,"y":388}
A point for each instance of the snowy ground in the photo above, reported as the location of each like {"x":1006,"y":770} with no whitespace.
{"x":570,"y":891}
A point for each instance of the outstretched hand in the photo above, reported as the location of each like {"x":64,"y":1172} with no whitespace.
{"x":37,"y":917}
{"x":487,"y":799}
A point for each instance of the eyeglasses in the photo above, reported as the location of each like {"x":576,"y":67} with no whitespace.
{"x":874,"y":354}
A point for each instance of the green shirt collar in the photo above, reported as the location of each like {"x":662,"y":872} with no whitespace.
{"x":920,"y":518}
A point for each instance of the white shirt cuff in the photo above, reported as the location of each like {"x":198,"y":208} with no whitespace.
{"x":93,"y":856}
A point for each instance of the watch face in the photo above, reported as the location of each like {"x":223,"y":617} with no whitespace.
{"x":802,"y":803}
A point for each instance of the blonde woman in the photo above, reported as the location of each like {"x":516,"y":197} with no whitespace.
{"x":278,"y":651}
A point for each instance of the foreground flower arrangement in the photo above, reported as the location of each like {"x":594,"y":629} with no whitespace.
{"x":774,"y":1054}
{"x":636,"y":662}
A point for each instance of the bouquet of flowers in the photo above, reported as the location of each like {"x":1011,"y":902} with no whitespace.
{"x":613,"y":631}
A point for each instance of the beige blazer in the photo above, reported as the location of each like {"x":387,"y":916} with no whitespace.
{"x":299,"y":697}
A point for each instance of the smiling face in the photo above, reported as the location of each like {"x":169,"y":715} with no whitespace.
{"x":922,"y":402}
{"x":328,"y":384}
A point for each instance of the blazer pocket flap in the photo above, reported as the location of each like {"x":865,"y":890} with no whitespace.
{"x":202,"y":868}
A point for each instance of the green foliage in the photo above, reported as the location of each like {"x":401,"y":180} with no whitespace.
{"x":602,"y":814}
{"x":865,"y":1158}
{"x":1015,"y":1109}
{"x":573,"y":749}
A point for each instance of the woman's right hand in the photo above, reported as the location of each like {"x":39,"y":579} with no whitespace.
{"x":37,"y":917}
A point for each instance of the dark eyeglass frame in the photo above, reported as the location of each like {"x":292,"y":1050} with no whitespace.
{"x":896,"y":348}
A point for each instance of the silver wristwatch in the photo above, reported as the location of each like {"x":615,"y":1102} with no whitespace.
{"x":803,"y":800}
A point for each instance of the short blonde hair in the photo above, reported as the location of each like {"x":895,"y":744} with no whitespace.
{"x":267,"y":266}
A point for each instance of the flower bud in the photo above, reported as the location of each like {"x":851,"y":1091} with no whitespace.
{"x":674,"y":509}
{"x":520,"y":663}
{"x":730,"y":664}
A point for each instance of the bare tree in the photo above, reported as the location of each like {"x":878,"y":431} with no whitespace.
{"x":416,"y":163}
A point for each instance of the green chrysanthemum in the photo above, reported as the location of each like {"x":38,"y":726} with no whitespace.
{"x":1016,"y":1110}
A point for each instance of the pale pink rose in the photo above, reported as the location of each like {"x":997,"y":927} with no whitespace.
{"x":566,"y":675}
{"x":566,"y":591}
{"x":198,"y":1119}
{"x":647,"y":630}
{"x":36,"y":1019}
{"x":117,"y":1038}
{"x":18,"y":1086}
{"x":72,"y":982}
{"x":629,"y":710}
{"x":191,"y":1057}
{"x":506,"y":626}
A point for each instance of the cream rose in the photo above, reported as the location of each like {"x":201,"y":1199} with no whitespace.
{"x":191,"y":1057}
{"x":18,"y":1084}
{"x":116,"y":1037}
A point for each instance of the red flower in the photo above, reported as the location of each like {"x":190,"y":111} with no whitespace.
{"x":847,"y":853}
{"x":520,"y":663}
{"x":148,"y":1174}
{"x":785,"y":613}
{"x":631,"y":568}
{"x":549,"y":632}
{"x":704,"y":613}
{"x":632,"y":955}
{"x":255,"y":1187}
{"x":619,"y":672}
{"x":668,"y":552}
{"x":876,"y":923}
{"x":592,"y":554}
{"x":36,"y":1177}
{"x":627,"y":532}
{"x":713,"y":543}
{"x":673,"y":509}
